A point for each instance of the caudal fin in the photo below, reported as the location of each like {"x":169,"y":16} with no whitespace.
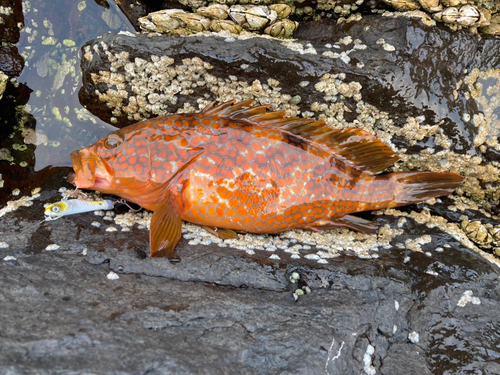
{"x":414,"y":187}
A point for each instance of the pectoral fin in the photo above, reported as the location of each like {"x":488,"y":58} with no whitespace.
{"x":222,"y":233}
{"x":348,"y":221}
{"x":165,"y":229}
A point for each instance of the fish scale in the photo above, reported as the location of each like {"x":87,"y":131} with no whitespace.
{"x":238,"y":167}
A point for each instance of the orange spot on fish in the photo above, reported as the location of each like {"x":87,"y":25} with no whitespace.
{"x":221,"y":209}
{"x":217,"y":159}
{"x":242,"y":211}
{"x":261,"y":159}
{"x":256,"y":146}
{"x":212,"y":146}
{"x":247,"y":221}
{"x":224,"y":193}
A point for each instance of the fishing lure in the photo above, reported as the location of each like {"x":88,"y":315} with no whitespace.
{"x":76,"y":206}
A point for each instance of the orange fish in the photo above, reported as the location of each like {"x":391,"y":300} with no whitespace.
{"x":237,"y":167}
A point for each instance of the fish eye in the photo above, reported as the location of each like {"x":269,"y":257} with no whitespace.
{"x":112,"y":141}
{"x":55,"y":209}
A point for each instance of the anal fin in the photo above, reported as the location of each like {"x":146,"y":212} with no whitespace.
{"x":348,"y":221}
{"x":166,"y":226}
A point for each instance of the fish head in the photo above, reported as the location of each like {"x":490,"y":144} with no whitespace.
{"x":117,"y":164}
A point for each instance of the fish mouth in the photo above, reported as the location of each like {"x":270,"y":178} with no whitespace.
{"x":90,"y":171}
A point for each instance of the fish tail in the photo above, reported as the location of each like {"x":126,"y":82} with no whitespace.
{"x":414,"y":187}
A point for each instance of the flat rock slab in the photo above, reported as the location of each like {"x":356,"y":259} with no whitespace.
{"x":219,"y":310}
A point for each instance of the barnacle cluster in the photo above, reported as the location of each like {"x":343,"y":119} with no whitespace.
{"x":476,"y":15}
{"x":272,"y":20}
{"x":466,"y":238}
{"x":155,"y":84}
{"x":24,"y":201}
{"x":486,"y":236}
{"x":295,"y":244}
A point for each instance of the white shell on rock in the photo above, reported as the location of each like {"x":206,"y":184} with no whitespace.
{"x":258,"y":17}
{"x":147,"y":25}
{"x":218,"y":25}
{"x":112,"y":276}
{"x":403,"y":5}
{"x":215,"y":11}
{"x":215,"y":18}
{"x":453,"y":3}
{"x":193,"y":21}
{"x":282,"y":28}
{"x":429,"y":4}
{"x":237,"y":14}
{"x":449,"y":15}
{"x":252,"y":17}
{"x":469,"y":15}
{"x":164,"y":19}
{"x":282,"y":10}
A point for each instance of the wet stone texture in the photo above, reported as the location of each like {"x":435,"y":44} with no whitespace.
{"x":221,"y":310}
{"x":11,"y":19}
{"x":419,"y":298}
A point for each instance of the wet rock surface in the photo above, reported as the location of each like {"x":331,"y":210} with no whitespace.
{"x":403,"y":66}
{"x":11,"y":19}
{"x":426,"y":299}
{"x":220,"y":310}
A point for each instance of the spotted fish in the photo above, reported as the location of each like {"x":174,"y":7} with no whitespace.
{"x":235,"y":166}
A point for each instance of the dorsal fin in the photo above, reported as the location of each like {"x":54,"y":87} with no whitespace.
{"x":354,"y":146}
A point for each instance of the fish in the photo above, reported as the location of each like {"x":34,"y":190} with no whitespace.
{"x":239,"y":167}
{"x":57,"y":210}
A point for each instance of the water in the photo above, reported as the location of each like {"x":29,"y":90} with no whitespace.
{"x":50,"y":43}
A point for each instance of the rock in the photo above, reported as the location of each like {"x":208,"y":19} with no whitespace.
{"x":475,"y":14}
{"x":420,"y":296}
{"x":219,"y":309}
{"x":134,"y":9}
{"x":11,"y":63}
{"x":11,"y":16}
